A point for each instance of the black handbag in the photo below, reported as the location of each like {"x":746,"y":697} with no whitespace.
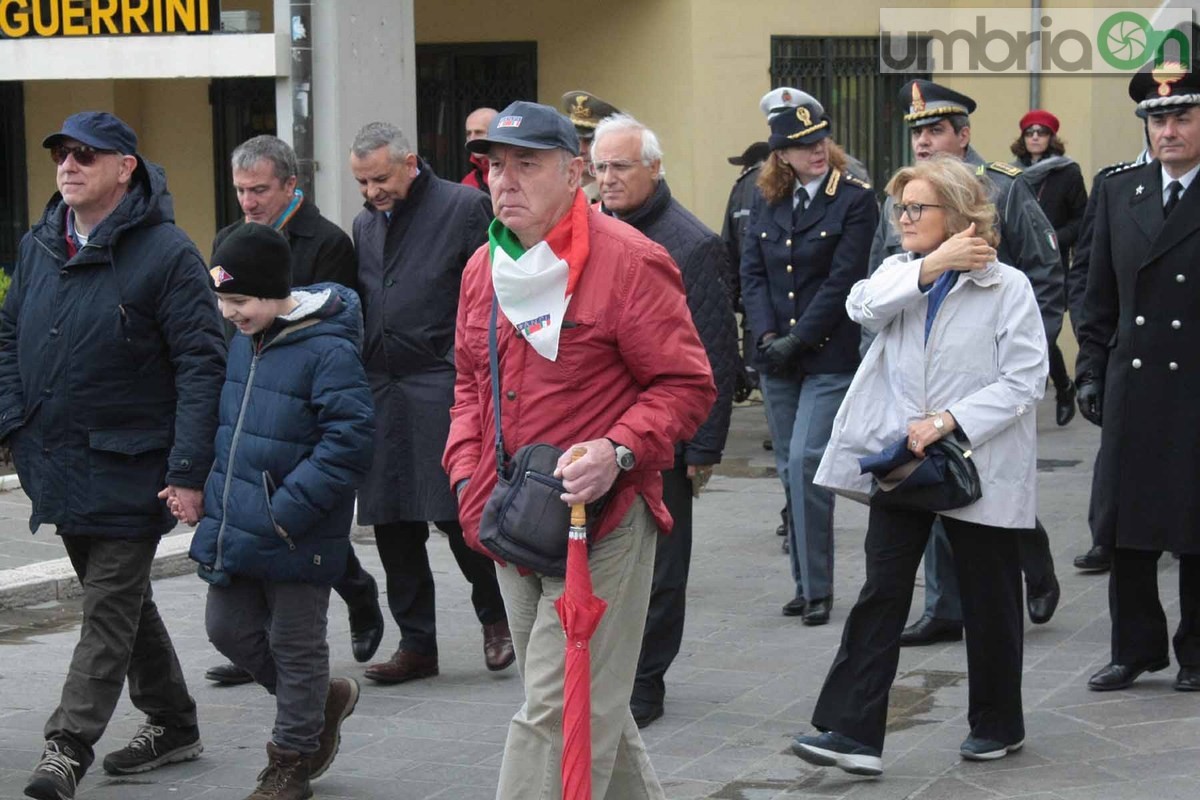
{"x":945,"y":479}
{"x":525,"y":521}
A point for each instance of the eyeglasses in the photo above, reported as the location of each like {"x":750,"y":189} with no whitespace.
{"x":1036,"y":131}
{"x":85,"y":155}
{"x":914,"y":210}
{"x":619,"y":167}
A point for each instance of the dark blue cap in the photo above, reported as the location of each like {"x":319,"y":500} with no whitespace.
{"x":99,"y":129}
{"x":532,"y":125}
{"x":807,"y":123}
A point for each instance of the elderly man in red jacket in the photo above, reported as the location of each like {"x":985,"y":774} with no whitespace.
{"x":613,"y":365}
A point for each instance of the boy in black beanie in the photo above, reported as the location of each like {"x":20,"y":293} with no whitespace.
{"x":294,"y":442}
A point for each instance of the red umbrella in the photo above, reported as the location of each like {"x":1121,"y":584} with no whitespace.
{"x":580,"y":611}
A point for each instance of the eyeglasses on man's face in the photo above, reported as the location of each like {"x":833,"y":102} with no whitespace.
{"x":617,"y":167}
{"x":85,"y":155}
{"x":914,"y":210}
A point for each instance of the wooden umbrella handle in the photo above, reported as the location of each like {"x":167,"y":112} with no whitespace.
{"x":578,"y":510}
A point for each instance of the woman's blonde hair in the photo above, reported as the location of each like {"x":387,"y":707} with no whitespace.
{"x":776,"y":178}
{"x":961,"y":194}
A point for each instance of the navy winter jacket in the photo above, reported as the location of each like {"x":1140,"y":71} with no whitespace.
{"x":293,"y":444}
{"x":110,"y":367}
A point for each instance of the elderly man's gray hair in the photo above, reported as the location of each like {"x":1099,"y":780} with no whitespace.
{"x":651,"y":149}
{"x":375,"y":135}
{"x":267,"y":148}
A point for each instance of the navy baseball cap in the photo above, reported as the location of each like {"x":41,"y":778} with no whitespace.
{"x":532,"y":125}
{"x":99,"y":129}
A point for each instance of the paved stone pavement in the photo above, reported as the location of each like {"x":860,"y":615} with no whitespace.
{"x":744,"y":683}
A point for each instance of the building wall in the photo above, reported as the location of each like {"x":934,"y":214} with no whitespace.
{"x":173,"y":121}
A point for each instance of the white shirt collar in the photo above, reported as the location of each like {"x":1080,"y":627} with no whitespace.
{"x":1185,"y":180}
{"x":810,"y":189}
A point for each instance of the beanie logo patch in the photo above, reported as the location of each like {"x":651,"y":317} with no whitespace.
{"x":219,"y":276}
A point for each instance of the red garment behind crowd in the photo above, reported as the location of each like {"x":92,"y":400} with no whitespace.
{"x":478,"y":176}
{"x":630,"y":367}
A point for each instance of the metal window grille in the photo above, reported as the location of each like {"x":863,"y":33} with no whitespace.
{"x":843,"y":73}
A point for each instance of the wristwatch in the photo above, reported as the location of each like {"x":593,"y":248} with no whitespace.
{"x":625,"y":459}
{"x":939,"y":424}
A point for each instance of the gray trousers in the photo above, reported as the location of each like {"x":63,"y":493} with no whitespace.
{"x":622,"y":566}
{"x":277,"y":632}
{"x":121,"y":637}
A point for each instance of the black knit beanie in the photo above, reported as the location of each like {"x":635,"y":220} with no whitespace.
{"x":254,"y":260}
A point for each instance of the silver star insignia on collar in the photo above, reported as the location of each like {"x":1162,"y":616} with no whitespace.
{"x":1139,"y":189}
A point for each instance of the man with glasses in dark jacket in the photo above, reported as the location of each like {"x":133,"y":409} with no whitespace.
{"x":111,"y":364}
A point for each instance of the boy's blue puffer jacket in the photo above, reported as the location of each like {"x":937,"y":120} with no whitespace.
{"x":296,"y":426}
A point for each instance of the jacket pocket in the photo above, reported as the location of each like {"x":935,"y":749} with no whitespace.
{"x":127,"y":467}
{"x":268,"y":484}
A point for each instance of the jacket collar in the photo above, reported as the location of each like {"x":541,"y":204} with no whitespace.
{"x":783,"y":212}
{"x":645,"y":215}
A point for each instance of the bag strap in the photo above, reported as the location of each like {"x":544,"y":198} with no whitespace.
{"x":494,"y":369}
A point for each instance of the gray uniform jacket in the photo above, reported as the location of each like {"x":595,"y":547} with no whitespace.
{"x":1027,"y":239}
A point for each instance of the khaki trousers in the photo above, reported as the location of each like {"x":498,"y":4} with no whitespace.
{"x":622,"y":565}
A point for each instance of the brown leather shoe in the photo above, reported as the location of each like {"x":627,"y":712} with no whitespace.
{"x":403,"y":666}
{"x":497,"y":646}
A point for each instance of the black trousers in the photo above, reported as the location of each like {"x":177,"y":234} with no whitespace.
{"x":1033,"y":549}
{"x":410,"y":591}
{"x":1058,"y":368}
{"x":122,"y":637}
{"x":356,"y":586}
{"x":854,"y":699}
{"x":668,"y":591}
{"x":1139,"y":626}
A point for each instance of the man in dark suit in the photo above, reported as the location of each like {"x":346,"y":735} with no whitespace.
{"x":1137,"y":372}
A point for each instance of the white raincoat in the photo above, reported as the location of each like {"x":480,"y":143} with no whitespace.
{"x":985,"y":363}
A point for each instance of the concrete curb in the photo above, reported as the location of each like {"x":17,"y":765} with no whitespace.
{"x":56,"y":580}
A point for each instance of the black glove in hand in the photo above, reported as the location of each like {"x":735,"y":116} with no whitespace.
{"x":780,"y":353}
{"x":1088,"y":394}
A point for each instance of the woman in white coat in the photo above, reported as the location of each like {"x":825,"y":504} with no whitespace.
{"x":959,"y":347}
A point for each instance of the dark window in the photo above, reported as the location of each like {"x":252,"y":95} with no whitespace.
{"x":843,"y":73}
{"x":455,"y":79}
{"x":14,"y":208}
{"x":242,"y":109}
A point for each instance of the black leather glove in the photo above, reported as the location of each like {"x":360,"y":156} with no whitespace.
{"x":1089,"y":395}
{"x":781,"y":353}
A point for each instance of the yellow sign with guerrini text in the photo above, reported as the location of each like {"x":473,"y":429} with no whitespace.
{"x":22,"y":19}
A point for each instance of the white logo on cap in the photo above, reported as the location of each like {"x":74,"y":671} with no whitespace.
{"x":509,"y":122}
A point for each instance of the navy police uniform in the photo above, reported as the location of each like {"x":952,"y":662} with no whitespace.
{"x":1139,"y":374}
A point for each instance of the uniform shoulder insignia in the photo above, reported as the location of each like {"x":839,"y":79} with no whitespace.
{"x":831,"y":185}
{"x":1004,"y":169}
{"x":855,"y":181}
{"x":1120,"y":166}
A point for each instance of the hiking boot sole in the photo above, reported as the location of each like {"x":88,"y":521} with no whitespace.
{"x":187,"y":752}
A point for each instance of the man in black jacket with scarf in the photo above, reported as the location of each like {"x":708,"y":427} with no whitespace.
{"x":627,"y":162}
{"x":111,"y":364}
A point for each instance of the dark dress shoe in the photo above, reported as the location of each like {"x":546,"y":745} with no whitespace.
{"x":794,"y":607}
{"x":1098,"y":559}
{"x":366,"y":630}
{"x":785,"y":546}
{"x":1064,"y":405}
{"x":498,"y":650}
{"x":817,"y":612}
{"x":1122,"y":676}
{"x":768,"y":444}
{"x":1188,"y":679}
{"x":228,"y":675}
{"x":403,"y":666}
{"x":645,"y":713}
{"x":1042,"y":602}
{"x":930,"y":630}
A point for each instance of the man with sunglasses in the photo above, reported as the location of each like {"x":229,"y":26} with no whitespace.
{"x":939,"y":123}
{"x":111,"y":365}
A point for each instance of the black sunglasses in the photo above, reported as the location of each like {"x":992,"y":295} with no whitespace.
{"x":85,"y":155}
{"x":1036,"y":131}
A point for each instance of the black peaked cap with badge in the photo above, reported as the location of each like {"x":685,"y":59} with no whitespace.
{"x":1166,"y":88}
{"x":585,"y":111}
{"x":806,"y":124}
{"x":253,"y":260}
{"x":526,"y":124}
{"x":751,"y":155}
{"x":927,"y":102}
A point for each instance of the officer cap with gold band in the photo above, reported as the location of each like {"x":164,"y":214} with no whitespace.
{"x":585,"y":111}
{"x":927,"y":102}
{"x":1165,"y":89}
{"x":779,"y":100}
{"x":806,"y":124}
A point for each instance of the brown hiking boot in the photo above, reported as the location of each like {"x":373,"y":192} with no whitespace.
{"x":285,"y":778}
{"x":339,"y":704}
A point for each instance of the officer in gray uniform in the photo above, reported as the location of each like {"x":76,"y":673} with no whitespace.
{"x":939,"y":122}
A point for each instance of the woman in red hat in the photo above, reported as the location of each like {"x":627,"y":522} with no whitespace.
{"x":1058,"y":184}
